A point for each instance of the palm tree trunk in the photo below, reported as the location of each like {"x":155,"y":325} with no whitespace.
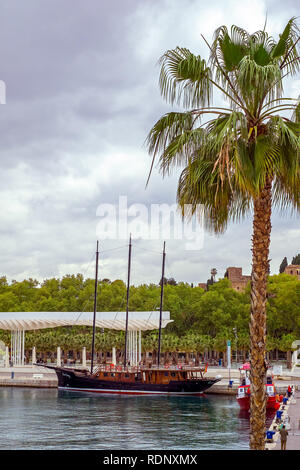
{"x":260,"y":269}
{"x":289,"y":359}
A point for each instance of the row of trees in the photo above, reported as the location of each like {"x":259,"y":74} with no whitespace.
{"x":202,"y":320}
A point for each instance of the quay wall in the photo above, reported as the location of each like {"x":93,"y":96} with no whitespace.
{"x":28,"y":383}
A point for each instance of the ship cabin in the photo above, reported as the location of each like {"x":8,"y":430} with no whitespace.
{"x":153,"y":376}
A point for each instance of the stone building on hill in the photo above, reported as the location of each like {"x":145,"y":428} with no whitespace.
{"x":293,"y":270}
{"x":203,"y":285}
{"x":238,"y":280}
{"x":236,"y":277}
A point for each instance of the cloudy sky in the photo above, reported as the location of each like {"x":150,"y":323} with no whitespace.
{"x":81,"y":96}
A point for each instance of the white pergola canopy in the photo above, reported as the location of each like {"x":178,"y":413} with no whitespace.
{"x":137,"y":321}
{"x":19,"y":322}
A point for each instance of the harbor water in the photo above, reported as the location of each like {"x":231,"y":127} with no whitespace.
{"x":48,"y":419}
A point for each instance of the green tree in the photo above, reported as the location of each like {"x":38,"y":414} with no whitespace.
{"x":296,"y":259}
{"x":171,"y":281}
{"x":283,"y":265}
{"x":285,"y":344}
{"x":243,"y":157}
{"x":283,"y":309}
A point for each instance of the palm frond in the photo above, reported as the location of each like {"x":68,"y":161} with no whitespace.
{"x":199,"y":186}
{"x":296,"y":113}
{"x":253,"y":80}
{"x":167,"y":128}
{"x":287,"y":48}
{"x":185,"y":78}
{"x":181,"y":149}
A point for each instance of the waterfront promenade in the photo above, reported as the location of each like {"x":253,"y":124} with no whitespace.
{"x":290,"y":414}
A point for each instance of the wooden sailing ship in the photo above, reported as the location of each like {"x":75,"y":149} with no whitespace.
{"x":134,"y":381}
{"x":126,"y":379}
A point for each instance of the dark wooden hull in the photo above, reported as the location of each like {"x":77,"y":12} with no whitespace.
{"x":71,"y":380}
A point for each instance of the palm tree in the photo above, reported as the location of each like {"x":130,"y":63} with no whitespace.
{"x":242,"y":158}
{"x":213,"y":273}
{"x":170,"y":347}
{"x":212,"y":279}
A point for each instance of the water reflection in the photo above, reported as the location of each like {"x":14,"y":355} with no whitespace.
{"x":244,"y":414}
{"x":48,"y":419}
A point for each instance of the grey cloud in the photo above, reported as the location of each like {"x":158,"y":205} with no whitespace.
{"x":55,"y":45}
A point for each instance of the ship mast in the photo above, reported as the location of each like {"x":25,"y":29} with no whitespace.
{"x":95,"y":307}
{"x":161,"y":302}
{"x":127,"y":301}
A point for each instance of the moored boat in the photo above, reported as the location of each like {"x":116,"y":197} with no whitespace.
{"x":134,"y":381}
{"x":244,"y":392}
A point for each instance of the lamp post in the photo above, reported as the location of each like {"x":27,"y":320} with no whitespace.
{"x":236,"y":351}
{"x":229,"y":360}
